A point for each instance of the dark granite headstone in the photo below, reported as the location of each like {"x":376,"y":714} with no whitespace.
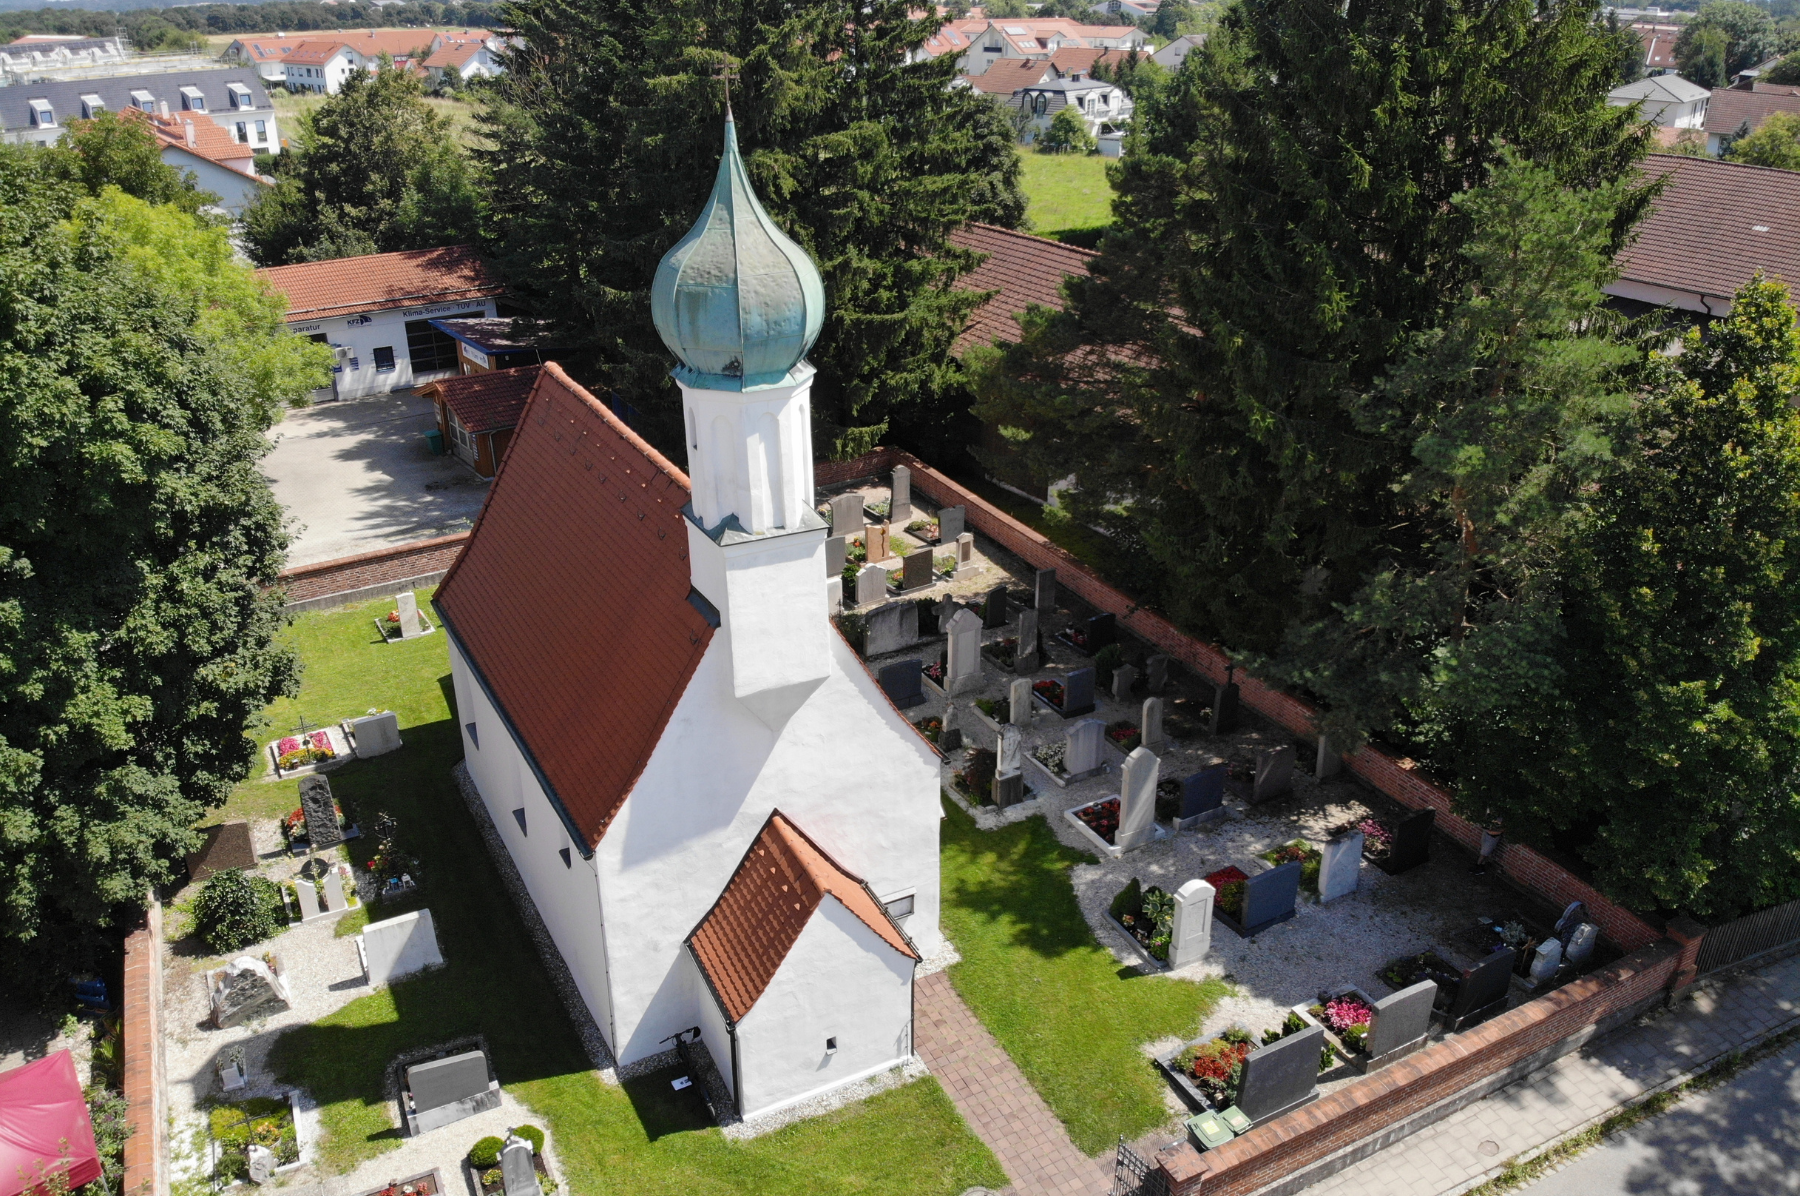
{"x":1224,"y":710}
{"x":1156,"y":673}
{"x":950,"y":524}
{"x":950,"y":740}
{"x":1203,"y":791}
{"x":227,"y":848}
{"x":1044,"y":598}
{"x":1412,"y":843}
{"x":1274,"y":773}
{"x":1400,"y":1021}
{"x":915,"y":572}
{"x":322,"y":830}
{"x":446,"y":1081}
{"x":1269,"y":896}
{"x":1102,"y":629}
{"x":902,"y":683}
{"x":1482,"y":991}
{"x":1078,"y":693}
{"x":1282,"y":1076}
{"x":1009,"y":791}
{"x":995,"y":612}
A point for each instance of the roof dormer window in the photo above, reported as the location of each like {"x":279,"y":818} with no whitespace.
{"x":143,"y":101}
{"x":240,"y":96}
{"x":91,"y":106}
{"x":193,"y":100}
{"x":43,"y":116}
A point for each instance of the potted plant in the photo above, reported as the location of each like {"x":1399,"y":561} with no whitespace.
{"x":1147,"y":915}
{"x":931,"y":727}
{"x":1308,"y":856}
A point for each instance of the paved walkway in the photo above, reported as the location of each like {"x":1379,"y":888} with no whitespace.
{"x":1578,"y":1090}
{"x":996,"y":1100}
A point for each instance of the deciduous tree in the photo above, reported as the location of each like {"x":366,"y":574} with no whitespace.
{"x":1775,"y":143}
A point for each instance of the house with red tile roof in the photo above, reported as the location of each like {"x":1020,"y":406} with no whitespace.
{"x":656,"y":709}
{"x":466,"y":59}
{"x":478,"y":412}
{"x":218,"y":161}
{"x":321,"y":66}
{"x":1735,"y":111}
{"x":1021,"y":271}
{"x":376,"y":312}
{"x":992,"y":41}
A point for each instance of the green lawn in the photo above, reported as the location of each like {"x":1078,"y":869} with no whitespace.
{"x":1069,"y":1015}
{"x":642,"y":1138}
{"x":1066,"y":192}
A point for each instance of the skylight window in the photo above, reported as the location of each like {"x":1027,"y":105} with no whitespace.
{"x":144,"y":101}
{"x":43,"y":116}
{"x":193,"y":99}
{"x":91,"y":106}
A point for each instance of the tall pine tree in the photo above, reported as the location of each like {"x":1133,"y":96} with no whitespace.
{"x":606,"y":132}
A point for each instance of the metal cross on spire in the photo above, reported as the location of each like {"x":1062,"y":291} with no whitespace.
{"x":725,"y":74}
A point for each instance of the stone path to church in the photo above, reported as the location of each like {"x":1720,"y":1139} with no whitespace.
{"x":997,"y":1101}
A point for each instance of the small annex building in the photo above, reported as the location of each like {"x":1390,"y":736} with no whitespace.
{"x":477,"y":412}
{"x":656,"y":708}
{"x":376,"y":311}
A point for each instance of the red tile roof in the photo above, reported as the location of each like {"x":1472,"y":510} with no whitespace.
{"x":778,"y":886}
{"x":1008,"y":75}
{"x":1659,"y":44}
{"x":314,"y":53}
{"x":344,"y":286}
{"x":1715,"y":224}
{"x":454,"y":54}
{"x":209,"y":140}
{"x":571,"y":599}
{"x":486,"y":402}
{"x":1024,"y":270}
{"x":1730,"y":108}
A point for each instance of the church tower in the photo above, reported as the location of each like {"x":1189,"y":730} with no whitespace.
{"x":739,"y":303}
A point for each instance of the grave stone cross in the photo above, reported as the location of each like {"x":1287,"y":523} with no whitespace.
{"x":516,"y":1172}
{"x":1045,"y":596}
{"x":1203,"y":792}
{"x":1412,"y":842}
{"x":901,"y":682}
{"x":1483,"y":989}
{"x":1156,"y":673}
{"x":1137,"y":800}
{"x":950,"y":524}
{"x":1281,"y":1076}
{"x":410,"y":627}
{"x":1274,"y":773}
{"x":1190,"y":936}
{"x":871,"y":584}
{"x":1269,"y":897}
{"x":915,"y":571}
{"x":1025,"y":659}
{"x":837,"y":549}
{"x":320,"y":811}
{"x":962,"y":664}
{"x":899,"y":500}
{"x":994,"y":612}
{"x":1401,"y":1021}
{"x":1082,"y":755}
{"x":847,"y":515}
{"x":1224,"y":710}
{"x":1150,"y":726}
{"x":1078,"y":692}
{"x":1339,"y":861}
{"x":1018,"y":702}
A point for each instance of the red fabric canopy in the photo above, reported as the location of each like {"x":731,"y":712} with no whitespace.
{"x":43,"y":1116}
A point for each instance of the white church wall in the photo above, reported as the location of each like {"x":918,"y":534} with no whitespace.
{"x":782,"y":1040}
{"x":713,"y":1030}
{"x":846,"y":768}
{"x":567,"y":896}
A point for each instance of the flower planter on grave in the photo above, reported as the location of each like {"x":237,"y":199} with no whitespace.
{"x":1090,"y":636}
{"x":1069,"y":698}
{"x":932,"y":728}
{"x":1521,"y":935}
{"x":1003,"y":653}
{"x":1147,"y":918}
{"x":991,"y":721}
{"x":1124,"y":735}
{"x":315,"y":750}
{"x":932,"y":678}
{"x":1267,"y":899}
{"x":1217,"y":1054}
{"x":1308,"y":857}
{"x":1098,"y":823}
{"x":1428,"y":964}
{"x":1411,"y":844}
{"x":1348,"y":1036}
{"x":1054,"y":767}
{"x":389,"y":628}
{"x":427,"y":1184}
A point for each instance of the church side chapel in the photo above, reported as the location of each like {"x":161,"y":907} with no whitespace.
{"x":723,"y":821}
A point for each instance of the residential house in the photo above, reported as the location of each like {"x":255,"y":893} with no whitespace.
{"x":322,"y":66}
{"x":39,"y":55}
{"x":998,"y":41}
{"x":268,"y":54}
{"x":1733,"y":112}
{"x":1138,"y":9}
{"x":1104,"y":106}
{"x":219,"y":162}
{"x":1659,"y":45}
{"x":1714,"y":225}
{"x":466,"y":60}
{"x":1006,"y":79}
{"x":232,"y":98}
{"x":478,"y":412}
{"x":1175,"y":53}
{"x":376,"y":312}
{"x":1667,"y":100}
{"x":654,"y":705}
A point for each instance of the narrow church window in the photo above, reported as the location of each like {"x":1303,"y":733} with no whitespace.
{"x":831,"y":1046}
{"x":568,"y":860}
{"x":519,"y":815}
{"x":899,"y":907}
{"x":473,"y":737}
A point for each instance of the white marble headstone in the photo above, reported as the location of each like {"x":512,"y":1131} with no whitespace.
{"x":1191,"y":934}
{"x":1150,"y":723}
{"x":1018,"y":696}
{"x":1007,"y":758}
{"x":1340,"y":862}
{"x":962,"y":664}
{"x":334,"y":892}
{"x":400,"y":946}
{"x":408,"y":606}
{"x":1086,"y":740}
{"x":1137,"y":800}
{"x":871,"y":584}
{"x":375,"y":734}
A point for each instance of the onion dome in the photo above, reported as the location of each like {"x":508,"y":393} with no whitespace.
{"x":736,"y":300}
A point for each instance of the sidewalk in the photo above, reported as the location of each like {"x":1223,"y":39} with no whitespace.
{"x":996,"y":1100}
{"x":1579,"y":1090}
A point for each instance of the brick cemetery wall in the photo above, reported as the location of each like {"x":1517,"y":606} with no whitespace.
{"x":369,"y":575}
{"x":146,"y":1168}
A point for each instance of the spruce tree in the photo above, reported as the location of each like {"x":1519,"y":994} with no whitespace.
{"x":605,"y":134}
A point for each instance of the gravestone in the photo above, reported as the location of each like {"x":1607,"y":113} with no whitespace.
{"x":1123,"y":678}
{"x":447,"y":1090}
{"x":1224,"y":710}
{"x":1482,"y":991}
{"x":1412,"y":843}
{"x":890,"y":628}
{"x":965,"y":551}
{"x":320,"y":811}
{"x":875,"y":541}
{"x":837,"y":551}
{"x":1156,"y":673}
{"x":1190,"y":935}
{"x":1400,"y":1024}
{"x":950,"y":739}
{"x":834,"y":594}
{"x":1137,"y":800}
{"x":962,"y":663}
{"x":1328,"y":763}
{"x":899,"y":505}
{"x":1274,"y":773}
{"x":1078,"y":693}
{"x":1018,"y":702}
{"x":334,"y":892}
{"x":1573,"y":915}
{"x":950,"y":525}
{"x":1044,"y":597}
{"x":871,"y":584}
{"x":1009,"y":784}
{"x":1025,"y":660}
{"x":903,"y":683}
{"x":1150,"y":726}
{"x":995,"y":612}
{"x":1082,"y":757}
{"x":1102,"y":629}
{"x":1269,"y":897}
{"x":915,"y":571}
{"x":245,"y":990}
{"x":1282,"y":1076}
{"x":516,"y":1172}
{"x":1547,"y":962}
{"x":260,"y":1162}
{"x":847,"y":515}
{"x":1203,"y":796}
{"x":1339,"y":861}
{"x":227,"y":848}
{"x":399,"y":947}
{"x":410,"y":626}
{"x":308,"y":893}
{"x":375,"y":734}
{"x":1581,"y":944}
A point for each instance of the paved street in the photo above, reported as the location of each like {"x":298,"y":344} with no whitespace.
{"x":356,"y":475}
{"x":1740,"y":1139}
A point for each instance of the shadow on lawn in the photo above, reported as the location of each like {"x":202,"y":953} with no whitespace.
{"x":662,"y":1109}
{"x":1018,"y":876}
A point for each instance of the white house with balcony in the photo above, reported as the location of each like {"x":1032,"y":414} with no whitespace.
{"x":322,"y":66}
{"x":1104,"y":106}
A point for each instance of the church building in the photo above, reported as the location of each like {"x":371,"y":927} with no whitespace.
{"x":723,"y":821}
